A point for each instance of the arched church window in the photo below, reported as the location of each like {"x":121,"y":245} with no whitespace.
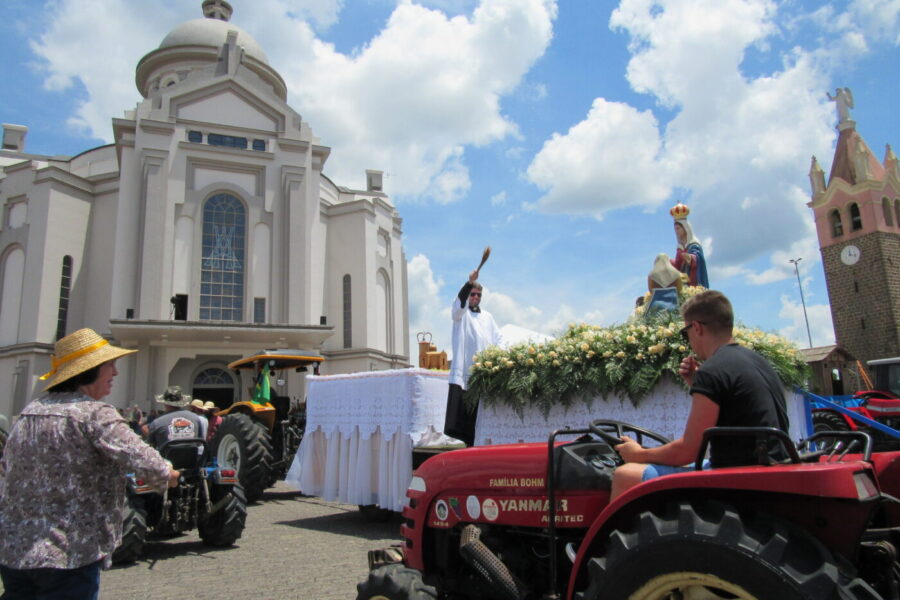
{"x":348,"y":313}
{"x":383,"y":312}
{"x":223,"y":259}
{"x":213,"y":376}
{"x":65,"y":288}
{"x":837,"y":227}
{"x":888,"y":211}
{"x":897,"y":210}
{"x":12,"y":274}
{"x":855,"y":217}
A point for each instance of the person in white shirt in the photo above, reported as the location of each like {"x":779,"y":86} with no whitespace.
{"x":474,"y":330}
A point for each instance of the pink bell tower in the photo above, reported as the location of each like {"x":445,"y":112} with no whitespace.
{"x":858,"y":225}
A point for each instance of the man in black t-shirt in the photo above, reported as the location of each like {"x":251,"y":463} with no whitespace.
{"x":733,"y":387}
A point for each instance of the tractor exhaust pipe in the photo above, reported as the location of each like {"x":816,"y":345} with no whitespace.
{"x":489,"y":566}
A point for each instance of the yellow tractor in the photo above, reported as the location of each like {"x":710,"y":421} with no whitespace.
{"x":259,"y":438}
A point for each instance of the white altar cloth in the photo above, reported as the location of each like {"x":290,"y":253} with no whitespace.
{"x":664,"y":410}
{"x":361,"y":429}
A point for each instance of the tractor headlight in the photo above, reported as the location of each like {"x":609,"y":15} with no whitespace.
{"x":417,"y":484}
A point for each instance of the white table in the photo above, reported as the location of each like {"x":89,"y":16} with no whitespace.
{"x":361,"y":429}
{"x":665,"y":410}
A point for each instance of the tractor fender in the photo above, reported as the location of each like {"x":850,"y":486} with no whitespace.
{"x":822,"y":498}
{"x":264,"y":413}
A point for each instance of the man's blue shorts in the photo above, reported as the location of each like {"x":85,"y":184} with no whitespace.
{"x":654,"y":471}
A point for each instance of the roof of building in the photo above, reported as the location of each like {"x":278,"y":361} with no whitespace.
{"x":821,"y":353}
{"x":212,"y":32}
{"x":848,"y":144}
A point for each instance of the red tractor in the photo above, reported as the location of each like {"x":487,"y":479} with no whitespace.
{"x":534,"y":522}
{"x":879,"y":407}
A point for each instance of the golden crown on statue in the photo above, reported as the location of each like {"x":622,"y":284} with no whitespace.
{"x":679,"y":211}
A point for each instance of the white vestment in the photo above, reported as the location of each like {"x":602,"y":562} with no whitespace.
{"x":472,"y":333}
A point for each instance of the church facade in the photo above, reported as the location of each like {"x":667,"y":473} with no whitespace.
{"x":857,"y":215}
{"x":206,"y":232}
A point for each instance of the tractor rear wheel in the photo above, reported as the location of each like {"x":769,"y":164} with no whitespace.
{"x":225,"y":526}
{"x":134,"y":531}
{"x":394,"y":582}
{"x":825,"y":420}
{"x":245,"y":445}
{"x":709,"y":551}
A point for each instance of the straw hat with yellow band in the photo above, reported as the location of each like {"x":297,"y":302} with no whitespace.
{"x":79,"y":352}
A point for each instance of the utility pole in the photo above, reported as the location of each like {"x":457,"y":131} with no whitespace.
{"x":795,"y":261}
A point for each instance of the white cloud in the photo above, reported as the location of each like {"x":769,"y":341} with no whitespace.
{"x":606,"y":161}
{"x":429,"y":308}
{"x":408,"y":102}
{"x":98,"y":44}
{"x":324,"y":13}
{"x":428,"y":312}
{"x":409,"y":112}
{"x":820,"y":326}
{"x":851,"y":33}
{"x":805,"y":248}
{"x":498,"y":199}
{"x":452,"y":182}
{"x":738,"y":145}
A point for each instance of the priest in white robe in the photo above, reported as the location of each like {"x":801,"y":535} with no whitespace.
{"x":474,"y":330}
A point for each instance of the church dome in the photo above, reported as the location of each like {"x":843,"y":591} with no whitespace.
{"x":212,"y":32}
{"x":196,"y":45}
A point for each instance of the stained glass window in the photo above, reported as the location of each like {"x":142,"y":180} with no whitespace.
{"x":222,"y":262}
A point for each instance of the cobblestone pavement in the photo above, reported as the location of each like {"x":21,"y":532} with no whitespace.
{"x":293,"y":547}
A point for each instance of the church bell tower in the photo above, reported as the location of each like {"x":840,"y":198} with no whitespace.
{"x":857,"y":217}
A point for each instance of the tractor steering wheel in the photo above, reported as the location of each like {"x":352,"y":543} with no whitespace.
{"x":602,"y":428}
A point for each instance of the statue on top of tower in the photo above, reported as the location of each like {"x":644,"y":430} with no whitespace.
{"x":843,"y":98}
{"x":217,"y":9}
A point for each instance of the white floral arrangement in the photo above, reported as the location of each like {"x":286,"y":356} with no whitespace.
{"x":588,"y":361}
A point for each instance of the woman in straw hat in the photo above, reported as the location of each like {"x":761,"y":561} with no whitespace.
{"x":62,"y":476}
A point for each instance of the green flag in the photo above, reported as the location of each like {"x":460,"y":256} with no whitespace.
{"x":261,"y":394}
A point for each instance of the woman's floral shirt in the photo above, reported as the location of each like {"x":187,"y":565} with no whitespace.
{"x":62,"y":482}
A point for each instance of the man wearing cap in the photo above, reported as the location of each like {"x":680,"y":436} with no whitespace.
{"x":61,"y":476}
{"x":178,"y":422}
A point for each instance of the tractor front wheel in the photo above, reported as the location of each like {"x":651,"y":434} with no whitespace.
{"x":709,"y":551}
{"x":245,"y":445}
{"x":394,"y":582}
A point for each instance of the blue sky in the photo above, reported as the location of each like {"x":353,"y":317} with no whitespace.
{"x":559,"y":133}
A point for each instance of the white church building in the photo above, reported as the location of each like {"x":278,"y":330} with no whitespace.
{"x":206,"y":232}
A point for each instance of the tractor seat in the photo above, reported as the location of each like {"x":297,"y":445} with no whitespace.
{"x":186,"y":454}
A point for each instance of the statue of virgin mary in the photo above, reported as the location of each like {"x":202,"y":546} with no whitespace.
{"x":689,"y":257}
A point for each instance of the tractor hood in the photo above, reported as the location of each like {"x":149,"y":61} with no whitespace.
{"x":508,"y":484}
{"x":509,"y":467}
